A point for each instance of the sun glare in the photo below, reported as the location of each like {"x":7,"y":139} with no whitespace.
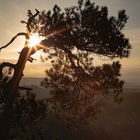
{"x":34,"y":40}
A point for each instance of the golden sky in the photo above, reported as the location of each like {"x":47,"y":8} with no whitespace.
{"x":13,"y":11}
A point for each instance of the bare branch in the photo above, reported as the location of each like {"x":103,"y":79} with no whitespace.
{"x":19,"y":34}
{"x":24,"y":22}
{"x":5,"y":64}
{"x":25,"y":88}
{"x":30,"y":20}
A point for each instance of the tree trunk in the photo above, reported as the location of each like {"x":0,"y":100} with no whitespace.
{"x":11,"y":90}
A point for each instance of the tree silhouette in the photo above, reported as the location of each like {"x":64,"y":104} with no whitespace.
{"x":74,"y":80}
{"x":78,"y":94}
{"x":11,"y":88}
{"x":72,"y":38}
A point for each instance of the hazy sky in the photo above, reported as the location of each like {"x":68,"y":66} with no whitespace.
{"x":12,"y":11}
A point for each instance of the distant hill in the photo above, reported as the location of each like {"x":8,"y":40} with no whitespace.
{"x":28,"y":81}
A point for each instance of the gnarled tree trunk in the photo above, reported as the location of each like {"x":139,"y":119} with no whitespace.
{"x":11,"y":90}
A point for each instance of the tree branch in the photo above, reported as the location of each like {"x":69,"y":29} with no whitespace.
{"x":46,"y":42}
{"x":25,"y":88}
{"x":30,"y":20}
{"x":19,"y":34}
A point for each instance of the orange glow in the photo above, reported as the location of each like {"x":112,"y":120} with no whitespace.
{"x":34,"y":40}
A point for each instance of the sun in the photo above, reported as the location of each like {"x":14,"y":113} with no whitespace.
{"x":34,"y":40}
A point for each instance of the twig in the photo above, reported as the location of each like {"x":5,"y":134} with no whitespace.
{"x":25,"y":88}
{"x":30,"y":20}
